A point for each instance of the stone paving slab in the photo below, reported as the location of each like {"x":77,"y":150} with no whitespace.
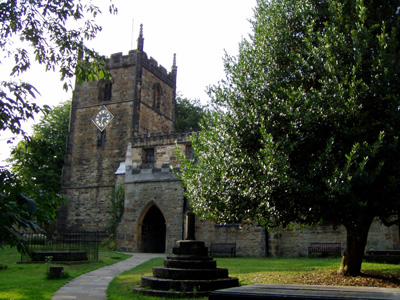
{"x":93,"y":285}
{"x":305,"y":292}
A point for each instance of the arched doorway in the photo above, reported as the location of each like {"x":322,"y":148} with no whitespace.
{"x":153,"y":231}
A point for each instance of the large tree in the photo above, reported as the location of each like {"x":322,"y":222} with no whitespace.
{"x":52,"y":34}
{"x":308,"y":122}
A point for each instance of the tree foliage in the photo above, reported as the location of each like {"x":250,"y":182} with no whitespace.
{"x":38,"y":160}
{"x":189,"y":114}
{"x":31,"y":192}
{"x":52,"y":34}
{"x":116,"y":209}
{"x":308,"y":122}
{"x":16,"y":212}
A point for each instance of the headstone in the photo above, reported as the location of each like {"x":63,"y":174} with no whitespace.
{"x":55,"y":272}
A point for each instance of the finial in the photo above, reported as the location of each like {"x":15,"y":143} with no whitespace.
{"x":174,"y":69}
{"x":140,"y":40}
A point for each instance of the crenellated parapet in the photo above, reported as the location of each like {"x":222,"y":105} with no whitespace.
{"x":162,"y":138}
{"x":118,"y":60}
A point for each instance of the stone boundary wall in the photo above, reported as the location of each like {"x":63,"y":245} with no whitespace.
{"x":250,"y":241}
{"x":293,"y":243}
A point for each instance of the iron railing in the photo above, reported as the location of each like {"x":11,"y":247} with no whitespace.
{"x":63,"y":246}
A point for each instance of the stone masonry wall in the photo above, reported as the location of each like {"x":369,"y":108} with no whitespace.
{"x":250,"y":241}
{"x":163,"y":155}
{"x":143,"y":190}
{"x":296,"y":242}
{"x":87,"y":208}
{"x":167,"y":97}
{"x":88,"y":174}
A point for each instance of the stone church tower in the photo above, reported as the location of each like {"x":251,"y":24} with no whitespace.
{"x":105,"y":116}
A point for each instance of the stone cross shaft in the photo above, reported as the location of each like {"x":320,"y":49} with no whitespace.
{"x":190,"y":227}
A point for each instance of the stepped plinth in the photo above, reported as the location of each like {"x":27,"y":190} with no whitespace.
{"x":189,"y":272}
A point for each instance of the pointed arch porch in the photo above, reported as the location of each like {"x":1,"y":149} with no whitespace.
{"x":152,"y":229}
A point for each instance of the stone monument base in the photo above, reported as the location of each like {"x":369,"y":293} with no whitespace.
{"x":190,"y":272}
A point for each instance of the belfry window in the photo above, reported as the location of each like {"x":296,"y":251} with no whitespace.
{"x":157,"y":93}
{"x":105,"y":90}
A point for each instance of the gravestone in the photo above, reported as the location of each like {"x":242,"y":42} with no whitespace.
{"x":55,"y":272}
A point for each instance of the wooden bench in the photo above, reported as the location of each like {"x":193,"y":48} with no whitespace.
{"x":325,"y":249}
{"x":226,"y":248}
{"x":383,"y":256}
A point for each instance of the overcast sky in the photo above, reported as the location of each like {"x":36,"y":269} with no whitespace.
{"x":197,"y":31}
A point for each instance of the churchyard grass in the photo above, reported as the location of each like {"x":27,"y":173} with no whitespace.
{"x":255,"y":270}
{"x":120,"y":286}
{"x":28,"y":281}
{"x":315,"y":271}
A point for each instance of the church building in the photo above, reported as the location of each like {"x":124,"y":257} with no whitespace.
{"x":122,"y":133}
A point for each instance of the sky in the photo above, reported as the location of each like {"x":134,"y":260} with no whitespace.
{"x":198,"y":32}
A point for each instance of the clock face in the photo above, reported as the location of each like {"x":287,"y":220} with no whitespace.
{"x":102,"y":118}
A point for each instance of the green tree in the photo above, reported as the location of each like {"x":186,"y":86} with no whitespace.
{"x":38,"y":161}
{"x":307,"y":122}
{"x":52,"y":34}
{"x":189,"y":114}
{"x":36,"y":165}
{"x":16,"y":211}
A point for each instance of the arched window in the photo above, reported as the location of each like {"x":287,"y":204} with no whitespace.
{"x":157,"y":93}
{"x":101,"y":139}
{"x":105,"y":90}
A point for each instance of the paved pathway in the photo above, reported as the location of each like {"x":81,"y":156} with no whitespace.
{"x":93,"y":285}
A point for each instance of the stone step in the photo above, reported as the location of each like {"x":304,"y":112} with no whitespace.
{"x":190,"y":257}
{"x":190,"y":251}
{"x":190,"y":274}
{"x":191,"y":244}
{"x":155,"y":283}
{"x":170,"y":293}
{"x":190,"y":264}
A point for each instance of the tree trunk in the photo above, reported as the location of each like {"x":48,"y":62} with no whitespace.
{"x":357,"y":235}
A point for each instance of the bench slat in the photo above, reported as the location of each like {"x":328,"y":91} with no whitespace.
{"x":223,"y":248}
{"x":325,"y":248}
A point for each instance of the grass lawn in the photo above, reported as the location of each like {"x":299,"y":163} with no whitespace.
{"x":312,"y":271}
{"x":28,"y":281}
{"x":270,"y":270}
